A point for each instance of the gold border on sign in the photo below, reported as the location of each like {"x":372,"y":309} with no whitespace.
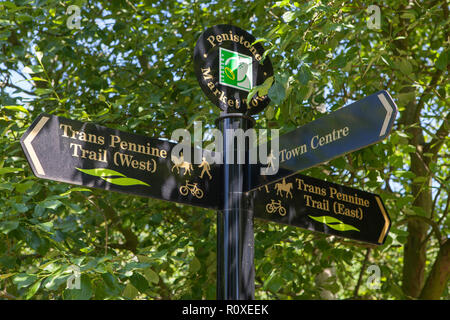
{"x":27,"y":142}
{"x":386,"y":220}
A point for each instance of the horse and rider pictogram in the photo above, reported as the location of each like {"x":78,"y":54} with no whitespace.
{"x":286,"y":187}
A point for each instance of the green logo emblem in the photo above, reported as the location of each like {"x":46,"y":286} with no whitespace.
{"x":235,"y":70}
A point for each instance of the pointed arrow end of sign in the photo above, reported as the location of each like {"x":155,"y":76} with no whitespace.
{"x":387,"y":221}
{"x":391,"y":111}
{"x":29,"y":149}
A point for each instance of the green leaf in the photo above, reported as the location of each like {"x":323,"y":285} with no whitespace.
{"x":110,"y":281}
{"x":288,"y":16}
{"x":419,"y":211}
{"x":410,"y":14}
{"x":260,"y":40}
{"x":23,"y":280}
{"x":20,"y":207}
{"x":156,"y":218}
{"x":42,"y":91}
{"x":404,"y":98}
{"x":33,"y":69}
{"x":6,"y":186}
{"x":9,"y":170}
{"x":50,"y":204}
{"x":39,"y":56}
{"x":194,"y":265}
{"x":17,"y":108}
{"x":274,"y":283}
{"x":7,"y":226}
{"x":38,"y":79}
{"x":262,"y":89}
{"x":24,"y":186}
{"x":4,"y":35}
{"x":277,"y":93}
{"x":130,"y":292}
{"x":125,"y":181}
{"x":304,"y":74}
{"x":9,"y":263}
{"x":75,"y":189}
{"x":405,"y":67}
{"x":420,"y":180}
{"x":151,"y":275}
{"x":442,"y":61}
{"x":84,"y":293}
{"x":402,"y":134}
{"x":101,"y":172}
{"x":38,"y":210}
{"x":270,"y":113}
{"x":55,"y":281}
{"x":46,"y":226}
{"x":6,"y":276}
{"x":139,"y":282}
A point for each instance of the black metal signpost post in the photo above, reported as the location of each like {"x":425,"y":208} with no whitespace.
{"x":228,"y":65}
{"x":235,"y":241}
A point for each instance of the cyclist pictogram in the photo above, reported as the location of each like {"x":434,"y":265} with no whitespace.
{"x":273,"y":207}
{"x":193,"y":188}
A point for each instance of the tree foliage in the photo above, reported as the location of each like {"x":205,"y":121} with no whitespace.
{"x":130,"y":66}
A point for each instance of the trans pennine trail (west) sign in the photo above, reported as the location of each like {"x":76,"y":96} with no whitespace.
{"x":87,"y":154}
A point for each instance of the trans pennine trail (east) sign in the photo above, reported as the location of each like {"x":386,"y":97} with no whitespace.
{"x":322,"y":206}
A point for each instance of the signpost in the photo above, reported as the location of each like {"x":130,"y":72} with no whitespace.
{"x":228,"y":64}
{"x":86,"y":154}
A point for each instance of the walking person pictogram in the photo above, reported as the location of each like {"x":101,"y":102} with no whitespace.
{"x":206,"y":168}
{"x":270,"y":158}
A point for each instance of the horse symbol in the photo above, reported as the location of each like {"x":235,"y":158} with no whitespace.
{"x":180,"y":163}
{"x":286,"y":187}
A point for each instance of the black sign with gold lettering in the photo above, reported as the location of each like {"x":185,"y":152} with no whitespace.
{"x":86,"y":154}
{"x":229,"y":64}
{"x":348,"y":129}
{"x":322,"y":206}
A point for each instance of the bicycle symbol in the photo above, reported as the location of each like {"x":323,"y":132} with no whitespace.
{"x":273,"y":207}
{"x":192,"y":187}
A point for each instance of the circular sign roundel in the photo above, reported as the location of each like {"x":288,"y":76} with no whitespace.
{"x":228,"y":65}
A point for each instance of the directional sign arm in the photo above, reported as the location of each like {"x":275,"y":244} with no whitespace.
{"x":356,"y":126}
{"x":322,"y":206}
{"x":36,"y":164}
{"x":87,"y":154}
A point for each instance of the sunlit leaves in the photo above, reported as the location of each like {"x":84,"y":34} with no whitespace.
{"x":130,"y":66}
